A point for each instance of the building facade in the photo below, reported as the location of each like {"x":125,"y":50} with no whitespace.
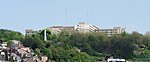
{"x":58,"y":29}
{"x":84,"y":27}
{"x":113,"y":31}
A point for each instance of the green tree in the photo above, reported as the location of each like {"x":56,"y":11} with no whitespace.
{"x":47,"y":52}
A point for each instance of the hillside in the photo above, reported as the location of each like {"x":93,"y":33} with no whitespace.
{"x":84,"y":47}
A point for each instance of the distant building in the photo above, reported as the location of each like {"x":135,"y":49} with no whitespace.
{"x":4,"y":45}
{"x":82,"y":27}
{"x":110,"y":32}
{"x":58,"y":29}
{"x":30,"y":32}
{"x":43,"y":58}
{"x":116,"y":60}
{"x":24,"y":51}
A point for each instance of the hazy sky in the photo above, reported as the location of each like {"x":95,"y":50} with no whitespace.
{"x":19,"y":15}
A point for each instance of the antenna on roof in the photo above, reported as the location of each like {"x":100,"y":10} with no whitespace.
{"x":87,"y":16}
{"x":66,"y":15}
{"x":125,"y":28}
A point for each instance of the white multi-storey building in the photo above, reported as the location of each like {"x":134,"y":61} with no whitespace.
{"x":84,"y":27}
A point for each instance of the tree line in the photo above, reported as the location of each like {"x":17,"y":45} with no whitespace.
{"x":84,"y":47}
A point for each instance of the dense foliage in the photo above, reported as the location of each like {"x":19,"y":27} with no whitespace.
{"x":84,"y":47}
{"x":10,"y":35}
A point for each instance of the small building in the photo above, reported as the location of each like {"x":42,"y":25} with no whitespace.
{"x":30,"y":32}
{"x":24,"y":52}
{"x":116,"y":60}
{"x":4,"y":45}
{"x":43,"y":58}
{"x":15,"y":42}
{"x":27,"y":49}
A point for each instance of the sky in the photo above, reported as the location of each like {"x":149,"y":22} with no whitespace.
{"x":18,"y":15}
